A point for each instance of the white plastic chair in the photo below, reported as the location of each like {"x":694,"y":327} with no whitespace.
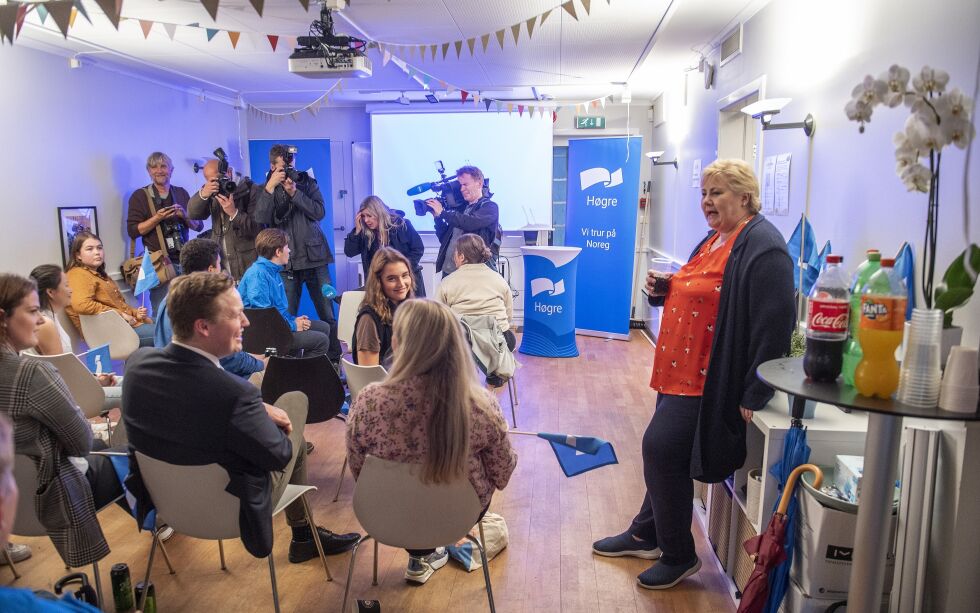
{"x":396,"y":508}
{"x":192,"y":500}
{"x":350,"y":303}
{"x":110,"y":328}
{"x":358,"y":377}
{"x":78,"y":344}
{"x":84,"y":387}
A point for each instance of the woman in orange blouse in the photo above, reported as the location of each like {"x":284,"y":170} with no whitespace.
{"x":93,"y":292}
{"x":727,"y":310}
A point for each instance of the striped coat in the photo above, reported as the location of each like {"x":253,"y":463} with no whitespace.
{"x":49,"y":427}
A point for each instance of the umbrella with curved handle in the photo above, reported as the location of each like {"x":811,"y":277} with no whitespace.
{"x":766,"y":549}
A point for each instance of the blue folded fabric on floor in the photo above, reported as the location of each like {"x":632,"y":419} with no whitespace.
{"x":579,"y":454}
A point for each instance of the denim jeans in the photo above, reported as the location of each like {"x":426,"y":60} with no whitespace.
{"x":145,"y":332}
{"x":313,"y":279}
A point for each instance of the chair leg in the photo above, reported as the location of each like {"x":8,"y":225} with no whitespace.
{"x":221,"y":554}
{"x":275,"y":589}
{"x":375,"y":581}
{"x":512,"y":392}
{"x":97,"y":579}
{"x":486,"y":568}
{"x":10,"y":562}
{"x":108,"y":430}
{"x":149,"y":566}
{"x":350,"y":569}
{"x":513,"y":380}
{"x":166,"y":557}
{"x":316,"y":537}
{"x":340,"y":483}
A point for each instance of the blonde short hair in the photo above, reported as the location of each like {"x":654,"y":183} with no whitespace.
{"x":738,"y":176}
{"x":157,"y":157}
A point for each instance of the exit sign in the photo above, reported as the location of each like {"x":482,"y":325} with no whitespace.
{"x":590,"y":123}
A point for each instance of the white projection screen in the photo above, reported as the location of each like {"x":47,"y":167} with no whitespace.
{"x":513,"y":152}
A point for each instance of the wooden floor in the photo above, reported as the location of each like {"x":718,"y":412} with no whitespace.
{"x":552,"y":520}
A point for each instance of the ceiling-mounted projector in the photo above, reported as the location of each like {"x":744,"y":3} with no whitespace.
{"x":325,"y":55}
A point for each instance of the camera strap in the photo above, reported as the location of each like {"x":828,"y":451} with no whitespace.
{"x":154,"y":199}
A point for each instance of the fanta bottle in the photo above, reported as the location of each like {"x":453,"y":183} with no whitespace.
{"x":880,"y":332}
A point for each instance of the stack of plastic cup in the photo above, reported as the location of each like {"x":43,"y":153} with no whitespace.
{"x":921,"y":376}
{"x":961,"y":387}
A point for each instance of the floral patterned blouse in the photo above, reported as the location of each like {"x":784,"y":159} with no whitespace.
{"x":388,"y":421}
{"x":687,"y":324}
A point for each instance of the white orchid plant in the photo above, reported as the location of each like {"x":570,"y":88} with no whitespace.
{"x":939,"y":118}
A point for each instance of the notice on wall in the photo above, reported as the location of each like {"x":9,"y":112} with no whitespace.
{"x":782,"y":183}
{"x":696,"y":173}
{"x":769,"y":185}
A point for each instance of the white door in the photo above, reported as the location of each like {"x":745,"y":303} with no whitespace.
{"x":343,"y":213}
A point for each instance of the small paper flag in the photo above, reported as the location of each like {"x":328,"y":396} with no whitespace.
{"x":459,"y":47}
{"x":516,"y":31}
{"x":445,"y":49}
{"x":273,"y":40}
{"x":258,"y":5}
{"x":212,"y":7}
{"x":500,"y":38}
{"x":471,"y":42}
{"x":234,"y":36}
{"x":464,"y":94}
{"x":146,"y":27}
{"x":171,"y":29}
{"x":544,"y":16}
{"x":211,"y":32}
{"x":484,"y":40}
{"x":60,"y":11}
{"x":585,"y":5}
{"x":530,"y":26}
{"x":570,"y":9}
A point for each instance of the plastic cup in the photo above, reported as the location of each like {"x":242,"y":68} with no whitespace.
{"x":961,"y":367}
{"x":662,"y":270}
{"x":959,"y":398}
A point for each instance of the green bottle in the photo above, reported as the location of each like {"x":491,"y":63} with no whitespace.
{"x":852,"y":348}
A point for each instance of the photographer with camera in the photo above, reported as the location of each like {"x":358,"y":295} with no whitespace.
{"x":227,"y":204}
{"x":160,"y":204}
{"x":479,"y":215}
{"x":290,"y":200}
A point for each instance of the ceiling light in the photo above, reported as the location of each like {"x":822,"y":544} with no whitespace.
{"x":403,"y":99}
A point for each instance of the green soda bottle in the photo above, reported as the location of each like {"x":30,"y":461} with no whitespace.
{"x":852,"y":348}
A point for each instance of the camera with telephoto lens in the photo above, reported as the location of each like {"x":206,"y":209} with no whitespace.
{"x":447,"y":192}
{"x":226,"y":186}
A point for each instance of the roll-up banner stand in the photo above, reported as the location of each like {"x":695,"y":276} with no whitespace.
{"x":603,"y":188}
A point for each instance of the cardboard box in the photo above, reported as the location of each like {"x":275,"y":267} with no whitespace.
{"x":825,"y":546}
{"x":847,"y":475}
{"x":796,"y":601}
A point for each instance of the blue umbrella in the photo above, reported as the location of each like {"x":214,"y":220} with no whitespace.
{"x":795,"y":452}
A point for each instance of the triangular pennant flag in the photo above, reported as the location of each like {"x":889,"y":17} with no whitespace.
{"x":81,"y":9}
{"x":71,"y":18}
{"x":312,"y":110}
{"x":510,"y":107}
{"x":306,"y":5}
{"x":8,"y":21}
{"x":385,"y":57}
{"x":594,"y":104}
{"x":258,"y":5}
{"x":171,"y":29}
{"x":570,"y":9}
{"x":21,"y":14}
{"x":486,"y":103}
{"x":484,"y":40}
{"x":459,"y":47}
{"x":426,"y":79}
{"x":497,"y":106}
{"x":449,"y":88}
{"x":544,"y":16}
{"x":554,"y":117}
{"x":471,"y":42}
{"x":60,"y":11}
{"x":211,"y":33}
{"x":516,"y":31}
{"x":464,"y":94}
{"x":212,"y":8}
{"x":445,"y":49}
{"x":476,"y":99}
{"x":234,"y":36}
{"x":530,"y":112}
{"x":603,"y":103}
{"x":422,"y":52}
{"x":530,"y":26}
{"x":42,"y":12}
{"x":500,"y":38}
{"x":112,"y":10}
{"x":585,"y":5}
{"x":520,"y":110}
{"x":273,"y":40}
{"x":432,"y":51}
{"x":295,"y":116}
{"x":146,"y":26}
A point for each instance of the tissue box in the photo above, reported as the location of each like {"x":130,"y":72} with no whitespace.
{"x":847,"y":475}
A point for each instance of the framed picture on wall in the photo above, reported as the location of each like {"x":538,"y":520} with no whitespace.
{"x":71,"y":221}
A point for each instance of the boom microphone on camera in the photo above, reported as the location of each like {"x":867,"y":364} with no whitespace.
{"x":418,"y":189}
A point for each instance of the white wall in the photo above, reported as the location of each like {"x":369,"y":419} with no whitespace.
{"x":815,"y":53}
{"x":81,"y":138}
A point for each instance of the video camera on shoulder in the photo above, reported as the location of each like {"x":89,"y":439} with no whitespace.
{"x":226,"y":186}
{"x":447,"y":191}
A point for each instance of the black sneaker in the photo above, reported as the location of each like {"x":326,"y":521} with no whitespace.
{"x":625,"y":545}
{"x":661,"y":576}
{"x":309,"y":447}
{"x":301,"y":551}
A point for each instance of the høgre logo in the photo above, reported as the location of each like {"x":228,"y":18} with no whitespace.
{"x":539,"y":286}
{"x":593,"y":176}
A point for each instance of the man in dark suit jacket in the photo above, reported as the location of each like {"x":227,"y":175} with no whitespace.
{"x":183,"y":408}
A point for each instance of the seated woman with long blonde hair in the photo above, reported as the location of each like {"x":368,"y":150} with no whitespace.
{"x":431,"y":411}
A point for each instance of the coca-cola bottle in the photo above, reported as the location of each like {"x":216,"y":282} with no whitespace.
{"x":826,"y":330}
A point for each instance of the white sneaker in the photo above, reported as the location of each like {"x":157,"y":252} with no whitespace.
{"x":420,"y":569}
{"x":17,"y":552}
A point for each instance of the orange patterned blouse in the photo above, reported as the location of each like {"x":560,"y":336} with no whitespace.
{"x":687,"y":324}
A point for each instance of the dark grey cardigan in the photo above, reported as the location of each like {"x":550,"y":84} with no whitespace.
{"x":756,"y":316}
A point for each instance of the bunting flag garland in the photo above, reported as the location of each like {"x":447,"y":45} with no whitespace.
{"x":486,"y":103}
{"x":211,"y":32}
{"x":42,"y":12}
{"x":112,"y":10}
{"x":585,"y":5}
{"x":71,"y":18}
{"x":544,"y":16}
{"x":530,"y":26}
{"x":516,"y":31}
{"x":520,"y":110}
{"x":212,"y":8}
{"x":470,"y":42}
{"x":570,"y":9}
{"x":9,"y":15}
{"x":81,"y":9}
{"x":464,"y":94}
{"x":445,"y":49}
{"x":234,"y":39}
{"x":60,"y":11}
{"x":500,"y":38}
{"x":258,"y":5}
{"x":273,"y":40}
{"x":459,"y":48}
{"x":484,"y":40}
{"x":171,"y":29}
{"x":146,"y":26}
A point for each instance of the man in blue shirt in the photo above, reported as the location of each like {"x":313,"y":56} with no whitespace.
{"x":262,"y":287}
{"x":204,"y":255}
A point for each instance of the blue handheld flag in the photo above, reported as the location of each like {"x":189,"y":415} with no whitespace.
{"x":121,"y":465}
{"x":147,"y":278}
{"x":802,"y":240}
{"x":579,"y":454}
{"x":905,"y":267}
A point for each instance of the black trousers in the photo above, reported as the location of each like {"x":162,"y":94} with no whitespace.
{"x":102,"y":478}
{"x":313,"y":279}
{"x":665,"y":515}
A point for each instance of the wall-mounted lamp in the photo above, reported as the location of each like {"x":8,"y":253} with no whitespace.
{"x":403,"y":99}
{"x":763,"y":110}
{"x":655,"y":158}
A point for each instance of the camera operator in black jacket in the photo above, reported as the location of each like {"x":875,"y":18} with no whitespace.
{"x":479,"y":216}
{"x":232,"y":219}
{"x":291,"y":201}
